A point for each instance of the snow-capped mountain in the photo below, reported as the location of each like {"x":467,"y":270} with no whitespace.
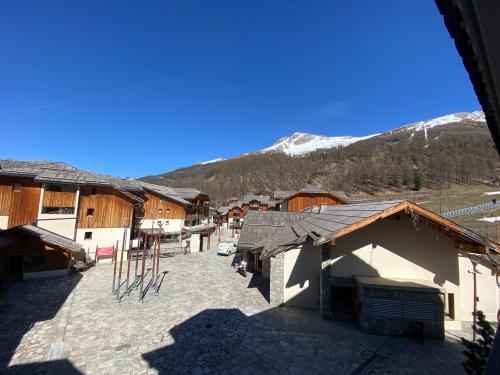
{"x":210,"y":161}
{"x":303,"y":143}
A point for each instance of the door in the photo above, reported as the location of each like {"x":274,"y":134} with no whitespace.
{"x":343,"y":302}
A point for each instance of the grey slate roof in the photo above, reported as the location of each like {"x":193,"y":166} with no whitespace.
{"x":322,"y":226}
{"x":259,"y":225}
{"x":262,"y":199}
{"x":188,"y":193}
{"x":47,"y":236}
{"x":164,"y":191}
{"x":281,"y":195}
{"x":62,"y":173}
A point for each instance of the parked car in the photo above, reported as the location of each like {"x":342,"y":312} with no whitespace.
{"x":226,"y":248}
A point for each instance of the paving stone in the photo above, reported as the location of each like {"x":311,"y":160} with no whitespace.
{"x":207,"y":319}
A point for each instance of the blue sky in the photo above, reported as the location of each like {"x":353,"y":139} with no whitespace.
{"x":143,"y":87}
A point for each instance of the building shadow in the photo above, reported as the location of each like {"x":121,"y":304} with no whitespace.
{"x":23,"y":305}
{"x":284,"y":340}
{"x":62,"y":366}
{"x":261,"y":284}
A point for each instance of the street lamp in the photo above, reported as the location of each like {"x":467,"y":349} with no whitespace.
{"x":475,"y":261}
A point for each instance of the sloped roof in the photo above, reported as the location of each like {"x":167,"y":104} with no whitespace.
{"x":262,"y":199}
{"x":189,"y":193}
{"x":62,"y":173}
{"x":282,"y":195}
{"x":164,"y":191}
{"x":259,"y":225}
{"x":336,"y":221}
{"x":46,"y":236}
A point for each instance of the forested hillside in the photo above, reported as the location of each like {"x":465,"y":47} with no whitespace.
{"x":398,"y":160}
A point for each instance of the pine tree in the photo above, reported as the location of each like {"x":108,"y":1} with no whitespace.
{"x":477,"y":352}
{"x":417,"y":184}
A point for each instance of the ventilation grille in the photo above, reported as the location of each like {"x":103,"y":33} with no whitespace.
{"x":403,"y":309}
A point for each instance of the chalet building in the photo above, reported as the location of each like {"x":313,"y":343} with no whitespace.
{"x":393,"y":266}
{"x":198,"y":212}
{"x":298,"y":201}
{"x":253,"y":202}
{"x":163,"y":207}
{"x":27,"y":251}
{"x":91,"y":209}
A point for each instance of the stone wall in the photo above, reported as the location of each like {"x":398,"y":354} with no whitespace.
{"x":276,"y":280}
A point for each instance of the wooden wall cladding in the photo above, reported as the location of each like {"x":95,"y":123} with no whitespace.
{"x":21,"y":206}
{"x":5,"y":198}
{"x":110,"y":208}
{"x":302,"y":201}
{"x":24,"y":206}
{"x":169,"y":209}
{"x":59,"y":199}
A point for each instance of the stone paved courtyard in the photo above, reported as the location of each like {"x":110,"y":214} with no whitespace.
{"x":207,"y":319}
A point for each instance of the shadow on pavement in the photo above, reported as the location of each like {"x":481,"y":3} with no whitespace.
{"x":33,"y":301}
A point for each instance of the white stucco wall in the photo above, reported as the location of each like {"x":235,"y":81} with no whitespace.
{"x":4,"y":221}
{"x":169,"y":225}
{"x":302,"y":268}
{"x":399,"y":249}
{"x":103,"y":237}
{"x":62,"y":226}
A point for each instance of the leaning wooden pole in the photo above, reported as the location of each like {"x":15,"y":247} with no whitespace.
{"x":121,"y":266}
{"x":115,"y":257}
{"x":128,"y":264}
{"x":141,"y":286}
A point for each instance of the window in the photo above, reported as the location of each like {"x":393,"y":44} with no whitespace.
{"x":58,"y":210}
{"x":90,"y":212}
{"x":17,"y":187}
{"x":166,"y":223}
{"x":160,"y":210}
{"x":87,"y":236}
{"x":53,"y":188}
{"x":93,"y":191}
{"x":168,"y":210}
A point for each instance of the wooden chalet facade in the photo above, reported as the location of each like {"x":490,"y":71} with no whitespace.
{"x":163,"y":207}
{"x":298,"y":201}
{"x":253,"y":202}
{"x":88,"y":208}
{"x":92,"y":209}
{"x":27,"y":251}
{"x":198,"y":212}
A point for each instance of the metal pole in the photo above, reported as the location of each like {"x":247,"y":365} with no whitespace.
{"x":474,"y":323}
{"x":494,"y":201}
{"x":115,"y":257}
{"x":137,"y":249}
{"x":153,"y":267}
{"x":121,"y":266}
{"x":141,"y":288}
{"x":128,"y":264}
{"x":158,"y":260}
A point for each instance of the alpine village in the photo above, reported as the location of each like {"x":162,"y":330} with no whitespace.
{"x":374,"y":254}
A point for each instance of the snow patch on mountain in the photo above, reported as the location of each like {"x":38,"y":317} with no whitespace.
{"x":303,"y":143}
{"x":210,"y":161}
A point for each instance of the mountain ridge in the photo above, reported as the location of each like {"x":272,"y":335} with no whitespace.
{"x":432,"y":154}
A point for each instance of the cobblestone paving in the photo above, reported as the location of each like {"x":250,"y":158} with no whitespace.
{"x":207,"y":319}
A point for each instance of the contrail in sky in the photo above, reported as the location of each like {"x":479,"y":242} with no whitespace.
{"x":50,"y":104}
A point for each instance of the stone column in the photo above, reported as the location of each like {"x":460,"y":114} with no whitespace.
{"x":325,"y":284}
{"x":276,"y":280}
